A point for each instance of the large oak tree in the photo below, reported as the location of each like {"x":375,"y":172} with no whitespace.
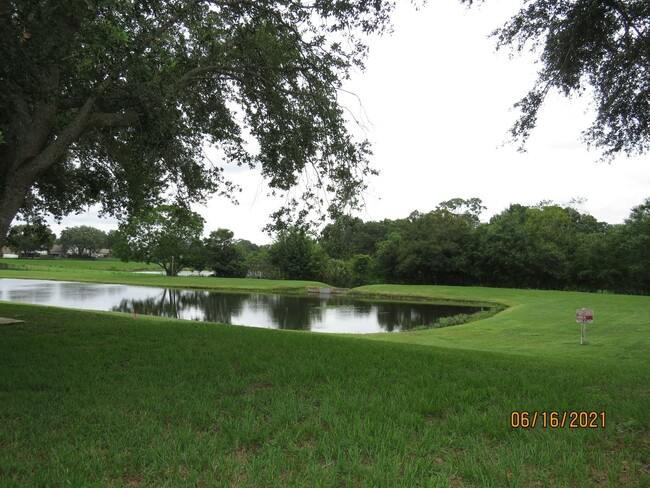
{"x":113,"y":101}
{"x":595,"y":48}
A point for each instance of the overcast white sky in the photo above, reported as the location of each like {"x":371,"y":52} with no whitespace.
{"x":437,"y":104}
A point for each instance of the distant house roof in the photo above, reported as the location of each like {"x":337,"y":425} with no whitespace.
{"x":7,"y":252}
{"x":57,"y":249}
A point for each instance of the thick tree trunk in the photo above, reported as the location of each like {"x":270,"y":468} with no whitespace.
{"x":11,"y":199}
{"x":28,"y":155}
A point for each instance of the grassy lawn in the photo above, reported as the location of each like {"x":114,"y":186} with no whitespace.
{"x":538,"y":323}
{"x":58,"y":264}
{"x":100,"y":399}
{"x":114,"y":271}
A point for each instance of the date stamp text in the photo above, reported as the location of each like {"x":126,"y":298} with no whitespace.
{"x":581,"y":419}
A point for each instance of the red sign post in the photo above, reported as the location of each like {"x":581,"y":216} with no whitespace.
{"x":584,"y":317}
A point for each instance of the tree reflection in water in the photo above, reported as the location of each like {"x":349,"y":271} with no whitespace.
{"x":221,"y":307}
{"x":322,"y":313}
{"x":398,"y":316}
{"x":405,"y":316}
{"x":284,"y":312}
{"x":187,"y":304}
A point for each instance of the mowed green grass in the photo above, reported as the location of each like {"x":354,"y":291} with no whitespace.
{"x":100,"y":399}
{"x":62,"y":264}
{"x":537,"y":323}
{"x":114,"y":271}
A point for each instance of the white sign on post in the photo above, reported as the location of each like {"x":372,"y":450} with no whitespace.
{"x":584,"y":317}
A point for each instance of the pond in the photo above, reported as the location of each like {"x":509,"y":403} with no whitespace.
{"x":315,"y":313}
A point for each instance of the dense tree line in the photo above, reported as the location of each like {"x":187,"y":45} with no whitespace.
{"x":33,"y":238}
{"x":546,"y":246}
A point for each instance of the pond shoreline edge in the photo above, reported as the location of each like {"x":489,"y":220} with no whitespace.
{"x":295,"y":288}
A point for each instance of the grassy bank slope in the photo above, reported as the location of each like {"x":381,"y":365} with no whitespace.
{"x":98,"y":399}
{"x":538,"y":323}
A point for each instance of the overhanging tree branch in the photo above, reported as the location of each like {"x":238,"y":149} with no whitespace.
{"x":100,"y":119}
{"x":175,"y":69}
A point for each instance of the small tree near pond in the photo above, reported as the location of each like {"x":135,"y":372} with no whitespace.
{"x":223,"y":256}
{"x":169,"y":236}
{"x":297,"y":256}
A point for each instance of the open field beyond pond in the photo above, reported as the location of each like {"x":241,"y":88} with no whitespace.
{"x":103,"y":399}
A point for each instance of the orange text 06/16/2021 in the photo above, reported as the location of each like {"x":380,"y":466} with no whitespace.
{"x":574,"y":419}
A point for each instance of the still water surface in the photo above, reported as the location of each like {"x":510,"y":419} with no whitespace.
{"x":315,"y":313}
